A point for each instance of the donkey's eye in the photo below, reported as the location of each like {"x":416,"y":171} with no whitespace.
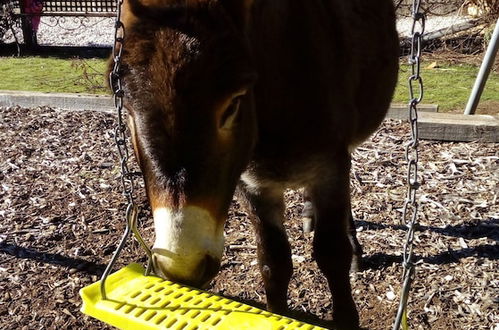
{"x":231,"y":115}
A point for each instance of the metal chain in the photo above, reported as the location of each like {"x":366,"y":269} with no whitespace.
{"x":127,"y":177}
{"x":410,"y":210}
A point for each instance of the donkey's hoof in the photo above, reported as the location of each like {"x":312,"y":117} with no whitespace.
{"x":308,"y":224}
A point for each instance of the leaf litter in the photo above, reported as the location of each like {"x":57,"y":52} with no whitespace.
{"x":61,"y":216}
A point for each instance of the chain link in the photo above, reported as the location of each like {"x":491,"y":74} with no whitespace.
{"x":411,"y":206}
{"x":127,"y":177}
{"x":115,"y":83}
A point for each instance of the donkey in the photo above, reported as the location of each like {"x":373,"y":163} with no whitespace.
{"x":260,"y":96}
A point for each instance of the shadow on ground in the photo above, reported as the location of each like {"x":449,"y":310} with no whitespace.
{"x":484,"y":229}
{"x":64,"y":52}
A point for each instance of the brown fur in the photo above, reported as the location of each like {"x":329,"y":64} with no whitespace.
{"x":326,"y":72}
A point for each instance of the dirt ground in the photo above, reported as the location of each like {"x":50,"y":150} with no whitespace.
{"x":61,"y":218}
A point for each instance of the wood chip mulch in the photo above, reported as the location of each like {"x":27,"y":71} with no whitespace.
{"x":61,"y":218}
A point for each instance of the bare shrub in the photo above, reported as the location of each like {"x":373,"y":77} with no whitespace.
{"x":480,"y":8}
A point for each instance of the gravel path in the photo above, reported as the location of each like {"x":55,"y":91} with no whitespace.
{"x":99,"y":31}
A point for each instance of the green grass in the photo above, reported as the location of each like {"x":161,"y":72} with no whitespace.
{"x":53,"y":75}
{"x":448,"y":86}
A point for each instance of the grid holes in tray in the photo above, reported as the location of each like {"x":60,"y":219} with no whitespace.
{"x":119,"y":306}
{"x":195,"y":314}
{"x":197,"y":302}
{"x":150,"y":316}
{"x":182,"y":325}
{"x":208,"y":305}
{"x":171,"y":322}
{"x":140,"y":312}
{"x":147,"y":296}
{"x":207,"y":310}
{"x":135,"y":294}
{"x":184,"y":311}
{"x":178,"y":295}
{"x":160,"y":319}
{"x":166,"y":303}
{"x":155,"y":300}
{"x":129,"y":308}
{"x":216,"y":321}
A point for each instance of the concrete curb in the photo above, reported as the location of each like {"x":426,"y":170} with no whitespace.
{"x":433,"y":125}
{"x":64,"y":101}
{"x":459,"y":127}
{"x":104,"y":103}
{"x":401,"y":111}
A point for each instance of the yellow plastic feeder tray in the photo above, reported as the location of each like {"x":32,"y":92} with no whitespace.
{"x":136,"y":301}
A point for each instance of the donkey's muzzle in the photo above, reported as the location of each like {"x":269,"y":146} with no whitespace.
{"x":208,"y":269}
{"x":200,"y":277}
{"x":188,"y":245}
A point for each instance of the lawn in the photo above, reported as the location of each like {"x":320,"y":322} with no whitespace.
{"x":447,"y":85}
{"x":41,"y":74}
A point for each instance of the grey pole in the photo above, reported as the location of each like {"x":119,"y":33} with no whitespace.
{"x":483,"y":74}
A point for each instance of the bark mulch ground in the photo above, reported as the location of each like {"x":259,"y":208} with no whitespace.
{"x":61,"y":217}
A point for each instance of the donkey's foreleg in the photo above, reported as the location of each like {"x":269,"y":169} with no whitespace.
{"x":332,"y":247}
{"x":357,"y":248}
{"x":308,"y":222}
{"x":274,"y":252}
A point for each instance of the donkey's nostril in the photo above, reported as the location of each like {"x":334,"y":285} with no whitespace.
{"x":208,"y":268}
{"x":199,"y":276}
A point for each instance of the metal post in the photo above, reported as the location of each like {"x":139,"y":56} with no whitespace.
{"x":484,"y":72}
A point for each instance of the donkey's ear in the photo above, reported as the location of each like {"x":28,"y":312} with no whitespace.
{"x":240,"y":10}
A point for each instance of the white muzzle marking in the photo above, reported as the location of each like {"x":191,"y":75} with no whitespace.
{"x":184,"y":238}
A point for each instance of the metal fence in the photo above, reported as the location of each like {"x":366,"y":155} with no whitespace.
{"x":51,"y":7}
{"x":27,"y":13}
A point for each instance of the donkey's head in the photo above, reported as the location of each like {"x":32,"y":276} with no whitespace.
{"x":188,"y":79}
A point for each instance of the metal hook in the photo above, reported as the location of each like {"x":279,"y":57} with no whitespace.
{"x":131,"y":227}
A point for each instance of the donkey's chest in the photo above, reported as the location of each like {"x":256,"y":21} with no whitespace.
{"x":287,"y":172}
